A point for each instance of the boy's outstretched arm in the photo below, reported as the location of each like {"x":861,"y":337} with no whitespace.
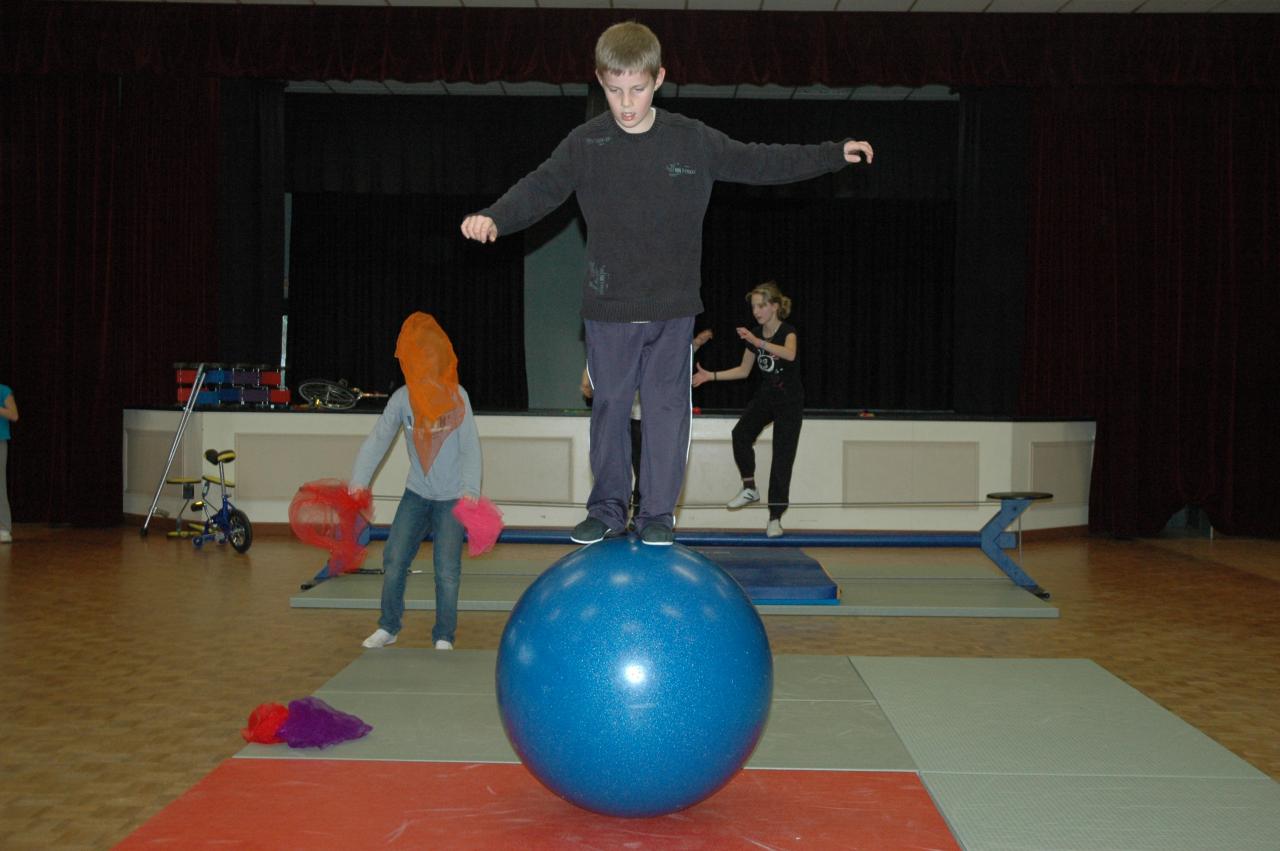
{"x":854,"y":151}
{"x":480,"y":228}
{"x":534,"y":196}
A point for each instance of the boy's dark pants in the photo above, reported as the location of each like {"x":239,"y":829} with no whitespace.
{"x":656,"y":358}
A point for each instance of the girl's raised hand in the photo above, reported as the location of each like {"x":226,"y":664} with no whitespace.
{"x":700,"y":375}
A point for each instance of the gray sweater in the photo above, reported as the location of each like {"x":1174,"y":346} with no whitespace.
{"x":644,"y":196}
{"x":455,"y":470}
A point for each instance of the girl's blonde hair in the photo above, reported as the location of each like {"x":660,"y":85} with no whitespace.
{"x":628,"y":46}
{"x":770,"y":292}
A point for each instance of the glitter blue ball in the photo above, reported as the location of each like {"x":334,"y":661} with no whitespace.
{"x":634,"y":680}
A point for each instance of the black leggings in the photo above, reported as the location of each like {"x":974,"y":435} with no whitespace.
{"x":786,"y":416}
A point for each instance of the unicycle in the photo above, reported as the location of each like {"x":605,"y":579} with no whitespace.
{"x":323,"y":394}
{"x":223,"y":523}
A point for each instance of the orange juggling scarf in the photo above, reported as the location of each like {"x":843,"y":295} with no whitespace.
{"x":431,"y":374}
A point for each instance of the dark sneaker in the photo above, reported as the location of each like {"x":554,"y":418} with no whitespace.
{"x":591,"y":530}
{"x":657,"y":535}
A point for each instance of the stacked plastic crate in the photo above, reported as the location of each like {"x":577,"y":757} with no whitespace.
{"x":233,"y":386}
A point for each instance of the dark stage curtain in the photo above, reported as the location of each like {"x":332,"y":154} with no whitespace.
{"x":251,"y":220}
{"x":990,"y":258}
{"x":867,"y":253}
{"x":554,"y":45}
{"x":482,"y":145}
{"x":871,"y":283}
{"x":1154,"y":295}
{"x":420,"y":145}
{"x":107,"y":272}
{"x":1152,"y":243}
{"x":362,"y":263}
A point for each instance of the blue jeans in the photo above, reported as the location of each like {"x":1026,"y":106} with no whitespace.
{"x":414,"y":518}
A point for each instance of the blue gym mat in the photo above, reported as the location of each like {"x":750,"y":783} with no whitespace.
{"x":776,"y":575}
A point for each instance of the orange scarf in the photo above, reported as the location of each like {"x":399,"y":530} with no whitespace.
{"x":431,"y":374}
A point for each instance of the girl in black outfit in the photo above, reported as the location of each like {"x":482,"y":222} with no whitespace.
{"x":771,"y":347}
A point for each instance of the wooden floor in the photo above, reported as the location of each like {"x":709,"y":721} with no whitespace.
{"x":128,"y":665}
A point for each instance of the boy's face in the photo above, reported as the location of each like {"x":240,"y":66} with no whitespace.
{"x":630,"y":94}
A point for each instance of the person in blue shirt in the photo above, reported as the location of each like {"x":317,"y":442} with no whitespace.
{"x":434,"y":412}
{"x":8,"y":414}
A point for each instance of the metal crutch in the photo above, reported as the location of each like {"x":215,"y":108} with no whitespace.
{"x":173,"y":450}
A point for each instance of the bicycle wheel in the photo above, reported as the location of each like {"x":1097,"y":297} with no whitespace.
{"x":322,"y":393}
{"x":240,"y":530}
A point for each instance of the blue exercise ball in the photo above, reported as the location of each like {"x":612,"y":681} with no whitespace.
{"x":634,"y":680}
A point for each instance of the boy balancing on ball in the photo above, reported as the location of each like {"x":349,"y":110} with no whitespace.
{"x":643,"y":178}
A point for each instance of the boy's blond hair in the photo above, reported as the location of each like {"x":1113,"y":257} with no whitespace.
{"x":772,"y":293}
{"x":628,"y":46}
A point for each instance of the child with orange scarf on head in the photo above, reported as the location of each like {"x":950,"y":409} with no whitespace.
{"x":444,"y":469}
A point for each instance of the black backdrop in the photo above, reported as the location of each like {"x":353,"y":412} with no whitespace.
{"x":1152,"y":236}
{"x":380,"y":184}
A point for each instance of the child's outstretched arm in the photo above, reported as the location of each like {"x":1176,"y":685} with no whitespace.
{"x":701,"y":376}
{"x":534,"y":196}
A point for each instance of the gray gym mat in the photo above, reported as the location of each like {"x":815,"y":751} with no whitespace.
{"x":824,"y":717}
{"x":1037,"y":716}
{"x":943,"y":598}
{"x":989,"y":812}
{"x":423,"y":705}
{"x":939,"y":590}
{"x":1017,"y":753}
{"x":1059,"y":754}
{"x":482,"y":592}
{"x":427,"y":705}
{"x":928,"y":569}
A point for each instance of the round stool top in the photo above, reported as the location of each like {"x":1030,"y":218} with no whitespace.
{"x":181,"y":481}
{"x":1020,"y":495}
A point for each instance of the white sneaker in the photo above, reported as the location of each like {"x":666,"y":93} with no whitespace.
{"x":774,"y":529}
{"x":380,"y":638}
{"x":6,"y":537}
{"x":441,"y":644}
{"x":746,"y":496}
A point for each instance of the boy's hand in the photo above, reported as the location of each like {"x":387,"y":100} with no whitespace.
{"x":702,"y":337}
{"x":854,"y":151}
{"x":480,"y":228}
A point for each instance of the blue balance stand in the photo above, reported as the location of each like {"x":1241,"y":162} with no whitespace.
{"x":992,"y":538}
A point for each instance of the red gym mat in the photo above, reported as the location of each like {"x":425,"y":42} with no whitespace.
{"x":335,"y":804}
